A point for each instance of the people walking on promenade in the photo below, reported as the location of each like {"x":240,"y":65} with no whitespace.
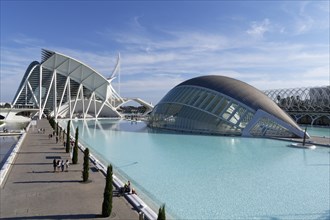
{"x":62,"y":165}
{"x":54,"y":165}
{"x":58,"y":164}
{"x":67,"y":163}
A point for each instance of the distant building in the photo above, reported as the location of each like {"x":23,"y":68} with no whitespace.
{"x":307,"y":105}
{"x":222,"y":106}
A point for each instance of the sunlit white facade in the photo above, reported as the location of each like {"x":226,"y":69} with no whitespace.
{"x":64,"y":87}
{"x":224,"y":106}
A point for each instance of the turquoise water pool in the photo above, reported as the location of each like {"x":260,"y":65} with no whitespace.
{"x":213,"y":177}
{"x":318,"y":131}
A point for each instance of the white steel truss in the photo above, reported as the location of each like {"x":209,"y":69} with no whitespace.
{"x":65,"y":87}
{"x":306,"y":105}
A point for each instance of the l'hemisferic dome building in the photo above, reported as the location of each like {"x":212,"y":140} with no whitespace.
{"x":222,"y":106}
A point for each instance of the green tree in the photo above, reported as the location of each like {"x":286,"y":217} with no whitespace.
{"x":67,"y":149}
{"x":161,"y":213}
{"x":85,"y":173}
{"x":75,"y":149}
{"x":107,"y":195}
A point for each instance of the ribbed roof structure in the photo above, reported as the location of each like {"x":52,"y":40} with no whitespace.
{"x":61,"y":86}
{"x":221,"y":105}
{"x":241,"y":92}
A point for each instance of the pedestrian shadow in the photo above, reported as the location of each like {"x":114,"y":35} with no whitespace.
{"x":42,"y":152}
{"x":27,"y":164}
{"x":58,"y":148}
{"x":53,"y":157}
{"x":48,"y":181}
{"x":41,"y":172}
{"x":73,"y":216}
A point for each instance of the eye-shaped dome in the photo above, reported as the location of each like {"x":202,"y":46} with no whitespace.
{"x":222,"y":105}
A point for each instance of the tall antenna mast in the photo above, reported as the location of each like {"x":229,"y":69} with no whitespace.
{"x":116,"y":71}
{"x":119,"y":74}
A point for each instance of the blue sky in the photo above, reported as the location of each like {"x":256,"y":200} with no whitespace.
{"x":268,"y":44}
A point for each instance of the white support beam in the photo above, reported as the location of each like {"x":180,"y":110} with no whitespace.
{"x":103,"y":103}
{"x":40,"y":92}
{"x":69,"y":97}
{"x":89,"y":104}
{"x":21,"y":89}
{"x":95,"y":110}
{"x":76,"y":99}
{"x":50,"y":88}
{"x":33,"y":95}
{"x":55,"y":94}
{"x":62,"y":96}
{"x":25,"y":93}
{"x":82,"y":100}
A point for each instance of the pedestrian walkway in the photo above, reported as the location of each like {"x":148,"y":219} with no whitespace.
{"x":33,"y":191}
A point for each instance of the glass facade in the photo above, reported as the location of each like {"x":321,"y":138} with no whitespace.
{"x":221,"y":106}
{"x":196,"y":109}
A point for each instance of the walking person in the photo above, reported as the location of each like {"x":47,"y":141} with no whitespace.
{"x":62,"y":165}
{"x":58,"y":164}
{"x":67,"y":163}
{"x":56,"y":139}
{"x":54,"y":165}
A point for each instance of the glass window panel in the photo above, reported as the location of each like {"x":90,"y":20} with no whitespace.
{"x":187,"y":95}
{"x":226,"y":115}
{"x":207,"y":101}
{"x":183,"y":95}
{"x":174,"y":95}
{"x":201,"y":99}
{"x":247,"y":118}
{"x":194,"y":97}
{"x":221,"y":107}
{"x":216,"y":102}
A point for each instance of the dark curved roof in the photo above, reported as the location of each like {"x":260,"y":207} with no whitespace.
{"x":241,"y":92}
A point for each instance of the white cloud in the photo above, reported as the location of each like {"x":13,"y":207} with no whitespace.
{"x":258,"y":29}
{"x":306,"y":16}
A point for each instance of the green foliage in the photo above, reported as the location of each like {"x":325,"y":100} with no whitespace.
{"x":161,"y":213}
{"x":67,"y":147}
{"x":107,"y":195}
{"x":75,"y":149}
{"x":85,"y":173}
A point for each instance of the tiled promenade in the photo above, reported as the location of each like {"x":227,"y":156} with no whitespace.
{"x":33,"y":191}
